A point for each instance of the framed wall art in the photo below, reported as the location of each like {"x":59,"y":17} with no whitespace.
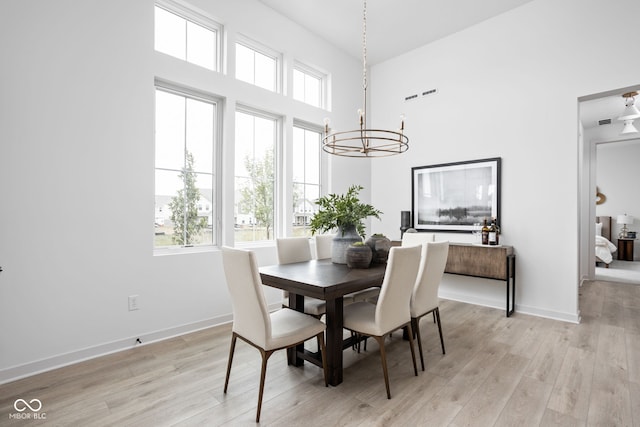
{"x":455,"y":196}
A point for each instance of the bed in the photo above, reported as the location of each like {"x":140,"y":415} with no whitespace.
{"x":604,"y":247}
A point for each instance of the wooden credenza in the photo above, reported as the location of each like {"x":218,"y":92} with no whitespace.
{"x":490,"y":262}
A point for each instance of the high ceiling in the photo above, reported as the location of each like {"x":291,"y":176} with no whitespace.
{"x":393,"y":26}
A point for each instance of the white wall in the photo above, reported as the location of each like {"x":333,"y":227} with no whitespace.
{"x":76,"y":173}
{"x":509,"y":88}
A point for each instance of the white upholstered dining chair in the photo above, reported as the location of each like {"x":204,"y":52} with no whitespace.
{"x":391,"y":311}
{"x":414,"y":239}
{"x":252,"y":321}
{"x":298,"y":249}
{"x":293,"y":249}
{"x":424,"y":299}
{"x":324,"y":245}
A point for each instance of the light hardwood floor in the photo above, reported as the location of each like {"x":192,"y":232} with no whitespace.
{"x":498,"y":371}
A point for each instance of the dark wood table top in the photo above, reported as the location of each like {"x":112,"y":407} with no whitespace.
{"x":321,"y":279}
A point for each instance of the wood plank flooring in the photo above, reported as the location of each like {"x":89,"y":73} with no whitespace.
{"x":498,"y":371}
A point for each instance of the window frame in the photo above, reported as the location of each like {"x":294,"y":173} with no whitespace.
{"x":278,"y":172}
{"x":262,"y":49}
{"x":216,"y":184}
{"x":322,"y":167}
{"x":313,"y":72}
{"x":201,"y":18}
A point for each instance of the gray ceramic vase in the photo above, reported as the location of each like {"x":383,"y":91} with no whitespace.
{"x":358,"y":256}
{"x":380,"y":246}
{"x":342,"y":240}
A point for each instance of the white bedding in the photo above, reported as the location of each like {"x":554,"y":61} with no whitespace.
{"x":604,"y":249}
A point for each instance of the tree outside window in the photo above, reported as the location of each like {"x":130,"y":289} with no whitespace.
{"x":188,"y":223}
{"x":184,"y":178}
{"x":255,"y":177}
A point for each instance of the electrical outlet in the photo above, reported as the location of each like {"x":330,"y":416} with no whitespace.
{"x":133,"y":303}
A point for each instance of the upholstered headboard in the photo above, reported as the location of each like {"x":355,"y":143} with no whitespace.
{"x":606,"y":226}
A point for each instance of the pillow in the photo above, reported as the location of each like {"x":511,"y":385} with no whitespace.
{"x":598,"y":229}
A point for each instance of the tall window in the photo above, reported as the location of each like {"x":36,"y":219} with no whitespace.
{"x":254,"y":211}
{"x":185,"y":35}
{"x":186,"y":127}
{"x":257,"y":65}
{"x":306,"y":178}
{"x":308,"y":86}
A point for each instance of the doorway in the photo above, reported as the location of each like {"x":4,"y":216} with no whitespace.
{"x":600,"y":133}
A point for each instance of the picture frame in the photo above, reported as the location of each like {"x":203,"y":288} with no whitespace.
{"x":455,"y":196}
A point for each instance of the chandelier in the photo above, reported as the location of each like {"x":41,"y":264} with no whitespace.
{"x":365,"y":142}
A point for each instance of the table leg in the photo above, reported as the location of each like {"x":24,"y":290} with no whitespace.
{"x":334,"y":319}
{"x":296,"y":302}
{"x":511,"y":280}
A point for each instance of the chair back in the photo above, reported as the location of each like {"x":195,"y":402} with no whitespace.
{"x":432,"y":265}
{"x":250,"y":311}
{"x":324,"y":245}
{"x":293,"y":249}
{"x":414,"y":239}
{"x":392,"y":308}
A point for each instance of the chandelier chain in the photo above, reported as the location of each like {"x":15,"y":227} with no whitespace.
{"x":364,"y":45}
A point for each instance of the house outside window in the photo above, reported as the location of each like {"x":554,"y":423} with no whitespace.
{"x":306,"y":167}
{"x":185,"y":146}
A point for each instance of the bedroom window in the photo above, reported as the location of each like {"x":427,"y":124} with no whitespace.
{"x":187,"y":35}
{"x":185,"y":172}
{"x":258,"y":65}
{"x":308,"y":85}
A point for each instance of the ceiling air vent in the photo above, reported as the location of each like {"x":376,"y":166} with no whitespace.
{"x":602,"y":122}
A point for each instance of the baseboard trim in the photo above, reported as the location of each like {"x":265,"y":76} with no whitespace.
{"x":461,"y":297}
{"x":501,"y":305}
{"x":32,"y":368}
{"x":554,"y":315}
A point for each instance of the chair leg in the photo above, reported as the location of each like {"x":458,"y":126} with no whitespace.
{"x":416,"y":325}
{"x":434,"y":316}
{"x":232,"y":348}
{"x":436,"y":312}
{"x":383,"y":358}
{"x":263,"y":373}
{"x":413,"y":351}
{"x":323,"y":353}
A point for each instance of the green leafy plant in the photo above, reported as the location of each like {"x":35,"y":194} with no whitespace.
{"x":184,"y":208}
{"x":341,"y":211}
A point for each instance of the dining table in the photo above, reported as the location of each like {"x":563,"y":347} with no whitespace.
{"x":330,"y":282}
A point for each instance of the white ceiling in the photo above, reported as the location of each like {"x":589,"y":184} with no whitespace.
{"x":395,"y":27}
{"x":607,"y":107}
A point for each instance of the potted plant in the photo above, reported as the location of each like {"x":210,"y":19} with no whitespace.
{"x":344,"y":212}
